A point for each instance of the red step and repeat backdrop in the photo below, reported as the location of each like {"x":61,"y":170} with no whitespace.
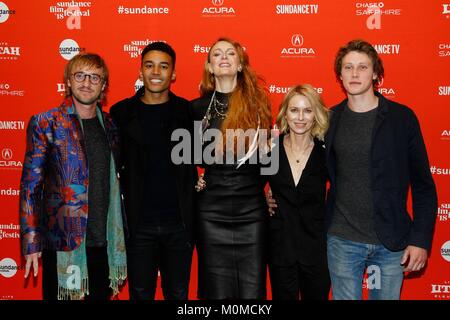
{"x":288,"y":41}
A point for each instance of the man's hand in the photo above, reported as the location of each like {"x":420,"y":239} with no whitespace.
{"x":271,"y":203}
{"x":416,"y":257}
{"x":32,"y":259}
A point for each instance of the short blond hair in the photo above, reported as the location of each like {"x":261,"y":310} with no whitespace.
{"x":89,"y":60}
{"x":321,"y":113}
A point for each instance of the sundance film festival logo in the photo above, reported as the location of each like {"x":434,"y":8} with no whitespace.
{"x":443,"y":212}
{"x":7,"y":162}
{"x":218,"y":8}
{"x":5,"y":12}
{"x":9,"y":231}
{"x":296,"y":49}
{"x":441,"y":291}
{"x":9,"y":267}
{"x":297,"y":9}
{"x":72,"y":12}
{"x":69,"y":48}
{"x":8,"y":52}
{"x":7,"y":90}
{"x":134,"y":47}
{"x":444,"y":50}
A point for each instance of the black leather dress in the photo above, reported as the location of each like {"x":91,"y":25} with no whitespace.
{"x":231,"y":225}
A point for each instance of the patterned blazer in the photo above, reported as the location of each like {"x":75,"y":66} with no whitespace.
{"x":54,"y":185}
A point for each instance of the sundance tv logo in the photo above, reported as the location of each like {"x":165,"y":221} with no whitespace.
{"x":297,"y":9}
{"x":218,"y":8}
{"x":387,"y":49}
{"x":8,"y":52}
{"x":445,"y":251}
{"x":12,"y":125}
{"x":7,"y":162}
{"x":5,"y":12}
{"x":296,"y":48}
{"x":69,"y":48}
{"x":8,"y":267}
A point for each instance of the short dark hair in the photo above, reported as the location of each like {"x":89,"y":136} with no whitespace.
{"x":364,"y":47}
{"x":159,"y":46}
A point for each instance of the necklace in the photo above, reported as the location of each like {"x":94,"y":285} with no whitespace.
{"x":220,"y":108}
{"x":299,"y":159}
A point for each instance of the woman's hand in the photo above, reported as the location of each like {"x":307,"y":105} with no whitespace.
{"x":201,"y":184}
{"x":271,"y":203}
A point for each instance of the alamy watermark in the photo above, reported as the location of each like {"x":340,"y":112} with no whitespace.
{"x":252,"y":146}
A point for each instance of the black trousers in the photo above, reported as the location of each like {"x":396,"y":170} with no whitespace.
{"x":166,"y":249}
{"x":299,"y":282}
{"x":98,"y":273}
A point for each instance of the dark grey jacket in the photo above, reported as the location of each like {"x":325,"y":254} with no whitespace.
{"x":398,"y":161}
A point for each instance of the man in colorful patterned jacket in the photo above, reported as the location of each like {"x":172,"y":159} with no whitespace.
{"x":70,"y":202}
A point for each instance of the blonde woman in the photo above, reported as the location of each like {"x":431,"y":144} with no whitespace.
{"x":297,"y":236}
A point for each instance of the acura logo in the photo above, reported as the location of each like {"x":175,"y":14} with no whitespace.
{"x":217,"y":3}
{"x":297,"y":40}
{"x":7,"y":154}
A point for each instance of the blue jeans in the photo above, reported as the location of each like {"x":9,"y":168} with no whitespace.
{"x":347,"y":261}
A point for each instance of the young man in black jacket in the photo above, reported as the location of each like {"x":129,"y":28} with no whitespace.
{"x":158,"y":194}
{"x":375,"y":152}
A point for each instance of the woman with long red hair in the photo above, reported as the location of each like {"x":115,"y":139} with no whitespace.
{"x":232,"y":211}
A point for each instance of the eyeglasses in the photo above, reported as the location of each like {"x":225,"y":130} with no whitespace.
{"x":81,"y":76}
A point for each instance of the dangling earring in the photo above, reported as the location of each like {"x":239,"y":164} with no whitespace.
{"x":239,"y":69}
